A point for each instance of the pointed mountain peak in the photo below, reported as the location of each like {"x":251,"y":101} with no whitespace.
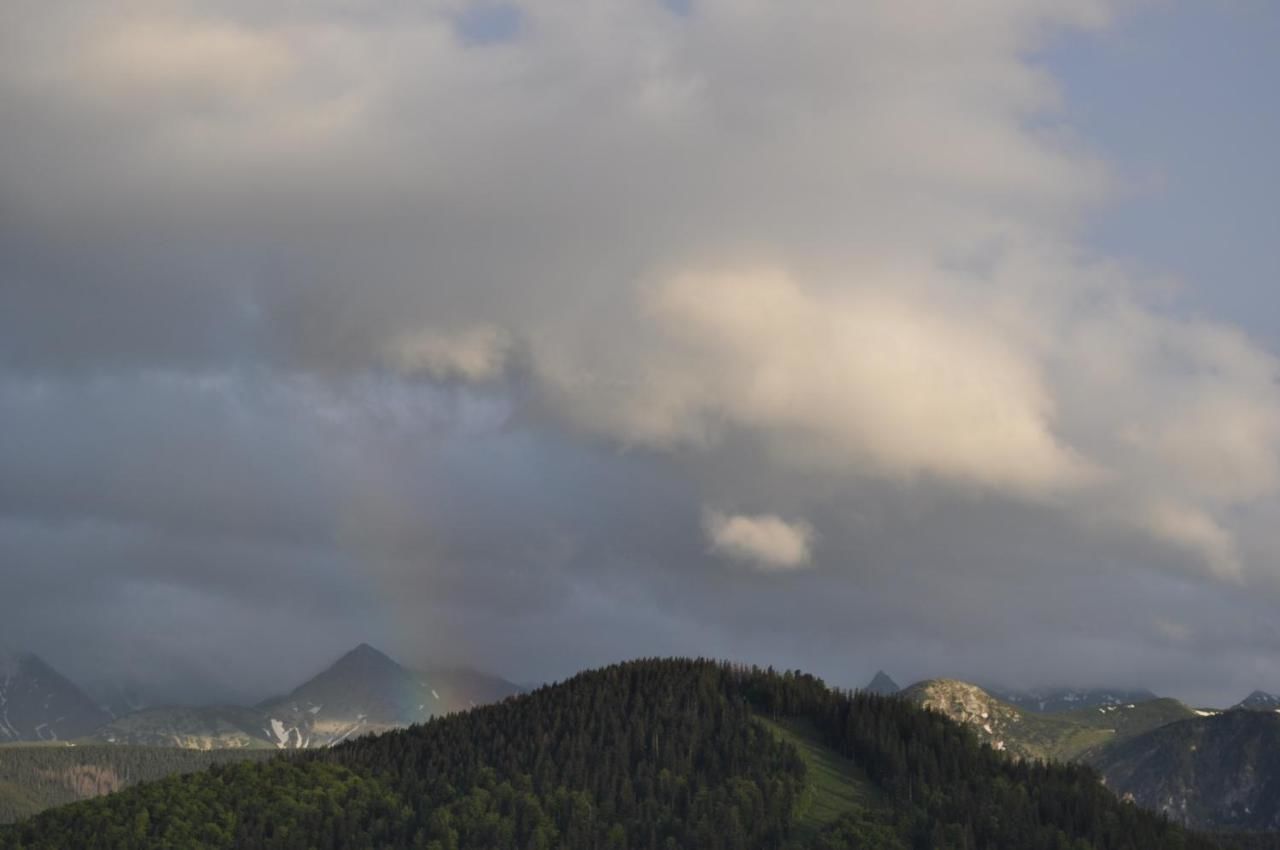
{"x":366,"y":655}
{"x":359,"y":669}
{"x":881,"y":684}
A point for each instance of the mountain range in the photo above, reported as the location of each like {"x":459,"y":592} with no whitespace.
{"x":1054,"y":700}
{"x":364,"y":691}
{"x":1201,"y":767}
{"x":660,"y":753}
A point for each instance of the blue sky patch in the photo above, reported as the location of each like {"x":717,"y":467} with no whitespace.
{"x":489,"y":23}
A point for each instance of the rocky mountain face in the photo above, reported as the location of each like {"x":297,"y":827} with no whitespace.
{"x":1056,"y":700}
{"x":1037,"y":735}
{"x":999,"y":724}
{"x":1220,"y":771}
{"x":39,"y":704}
{"x":1259,"y":701}
{"x":189,"y":727}
{"x":881,"y":684}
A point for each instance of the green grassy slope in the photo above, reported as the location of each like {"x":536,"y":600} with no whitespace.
{"x":1122,"y":722}
{"x":835,"y":786}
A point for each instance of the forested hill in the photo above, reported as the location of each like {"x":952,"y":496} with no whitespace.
{"x":648,"y":754}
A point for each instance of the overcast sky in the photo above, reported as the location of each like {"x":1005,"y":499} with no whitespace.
{"x":941,"y":338}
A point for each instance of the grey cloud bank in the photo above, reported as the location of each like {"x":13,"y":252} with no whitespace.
{"x":501,"y":346}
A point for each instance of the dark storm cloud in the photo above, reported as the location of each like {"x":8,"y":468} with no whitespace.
{"x":566,"y":335}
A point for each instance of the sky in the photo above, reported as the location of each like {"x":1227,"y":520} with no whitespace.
{"x":534,"y":336}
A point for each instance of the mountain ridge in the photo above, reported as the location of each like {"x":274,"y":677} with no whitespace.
{"x":1024,"y":734}
{"x":1058,"y":699}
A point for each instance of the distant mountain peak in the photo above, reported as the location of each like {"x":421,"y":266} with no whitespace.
{"x":356,"y":674}
{"x":882,"y":684}
{"x":1259,"y":701}
{"x":368,"y":691}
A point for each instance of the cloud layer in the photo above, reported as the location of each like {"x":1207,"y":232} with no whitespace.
{"x":468,"y":320}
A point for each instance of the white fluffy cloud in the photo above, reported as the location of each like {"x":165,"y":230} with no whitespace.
{"x":767,"y":542}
